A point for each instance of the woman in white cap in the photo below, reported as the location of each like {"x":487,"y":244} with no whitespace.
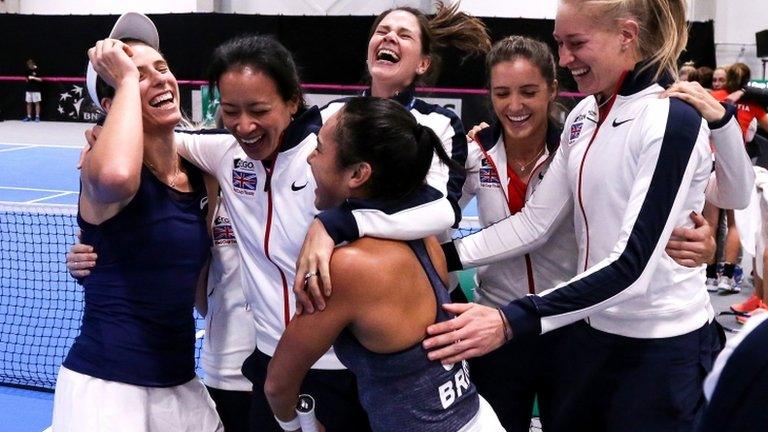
{"x":132,"y":367}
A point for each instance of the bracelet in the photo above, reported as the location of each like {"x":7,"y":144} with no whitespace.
{"x":507,"y":335}
{"x":292,"y":425}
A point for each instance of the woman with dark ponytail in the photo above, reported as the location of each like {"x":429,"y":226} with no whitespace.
{"x":386,"y":292}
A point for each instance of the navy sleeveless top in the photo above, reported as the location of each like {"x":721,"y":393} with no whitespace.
{"x":405,"y":391}
{"x":138,"y":327}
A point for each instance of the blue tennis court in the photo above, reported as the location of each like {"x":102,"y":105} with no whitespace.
{"x":37,"y":168}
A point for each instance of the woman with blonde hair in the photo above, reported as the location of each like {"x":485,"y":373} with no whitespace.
{"x":631,"y":166}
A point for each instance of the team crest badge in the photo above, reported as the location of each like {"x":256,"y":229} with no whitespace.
{"x":575,"y":132}
{"x":488,"y":177}
{"x":244,"y":182}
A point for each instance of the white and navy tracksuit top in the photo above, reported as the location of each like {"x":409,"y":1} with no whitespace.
{"x":271,"y":208}
{"x":554,"y":262}
{"x":430,"y":211}
{"x":629,"y":175}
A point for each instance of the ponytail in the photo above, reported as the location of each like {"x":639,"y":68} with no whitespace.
{"x":428,"y":143}
{"x":447,"y":28}
{"x":383,"y":134}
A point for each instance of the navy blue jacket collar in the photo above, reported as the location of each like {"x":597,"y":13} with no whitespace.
{"x":404,"y":98}
{"x":637,"y":79}
{"x":306,"y":121}
{"x":488,"y":137}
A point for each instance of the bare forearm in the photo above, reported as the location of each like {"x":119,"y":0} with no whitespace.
{"x":112,"y":169}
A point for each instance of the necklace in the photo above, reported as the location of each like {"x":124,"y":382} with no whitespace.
{"x":176,"y":172}
{"x":602,"y":104}
{"x":523,"y":166}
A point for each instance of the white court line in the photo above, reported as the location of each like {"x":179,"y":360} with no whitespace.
{"x":36,"y":189}
{"x":23,"y":147}
{"x":27,"y":145}
{"x":48,"y":197}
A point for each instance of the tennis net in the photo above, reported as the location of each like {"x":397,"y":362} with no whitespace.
{"x":40,"y":304}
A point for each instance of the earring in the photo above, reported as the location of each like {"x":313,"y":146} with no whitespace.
{"x":623,"y":48}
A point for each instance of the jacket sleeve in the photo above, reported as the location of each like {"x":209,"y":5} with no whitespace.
{"x":432,"y":210}
{"x":756,"y":95}
{"x":670,"y":154}
{"x":522,"y":232}
{"x":734,"y":176}
{"x":204,"y":148}
{"x":472,"y":170}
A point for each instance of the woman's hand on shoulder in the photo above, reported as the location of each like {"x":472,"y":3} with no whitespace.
{"x":475,"y":129}
{"x":698,"y":97}
{"x":111,"y":59}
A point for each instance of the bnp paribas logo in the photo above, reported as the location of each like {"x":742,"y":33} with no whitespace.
{"x":73,"y":104}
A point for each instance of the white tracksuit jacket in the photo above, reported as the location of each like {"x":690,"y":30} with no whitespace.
{"x":434,"y":209}
{"x":271,"y":209}
{"x":554,"y":262}
{"x":629,"y":176}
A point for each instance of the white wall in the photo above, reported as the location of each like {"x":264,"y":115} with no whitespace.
{"x":111,"y":7}
{"x":542,"y":9}
{"x":316,"y":7}
{"x":736,"y":23}
{"x":9,"y":6}
{"x":701,"y":10}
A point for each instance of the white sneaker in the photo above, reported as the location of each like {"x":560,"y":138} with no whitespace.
{"x":711,"y":284}
{"x":727,"y":285}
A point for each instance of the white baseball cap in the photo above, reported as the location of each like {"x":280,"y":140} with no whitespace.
{"x":130,"y":25}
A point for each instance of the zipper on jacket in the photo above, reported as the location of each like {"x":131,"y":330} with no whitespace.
{"x":528,"y":261}
{"x":268,"y":190}
{"x":602,"y":113}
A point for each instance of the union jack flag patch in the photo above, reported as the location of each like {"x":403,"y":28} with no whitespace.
{"x":244,"y":180}
{"x":223,"y":232}
{"x":488,"y":177}
{"x":575,"y":131}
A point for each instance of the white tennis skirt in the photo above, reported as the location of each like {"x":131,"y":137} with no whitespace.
{"x":484,"y":421}
{"x":86,"y":404}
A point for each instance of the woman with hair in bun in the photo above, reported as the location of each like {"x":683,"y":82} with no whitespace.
{"x":386,"y":292}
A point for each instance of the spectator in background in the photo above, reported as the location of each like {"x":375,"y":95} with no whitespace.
{"x":688,"y":72}
{"x":33,"y":91}
{"x":718,"y":78}
{"x":705,"y":76}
